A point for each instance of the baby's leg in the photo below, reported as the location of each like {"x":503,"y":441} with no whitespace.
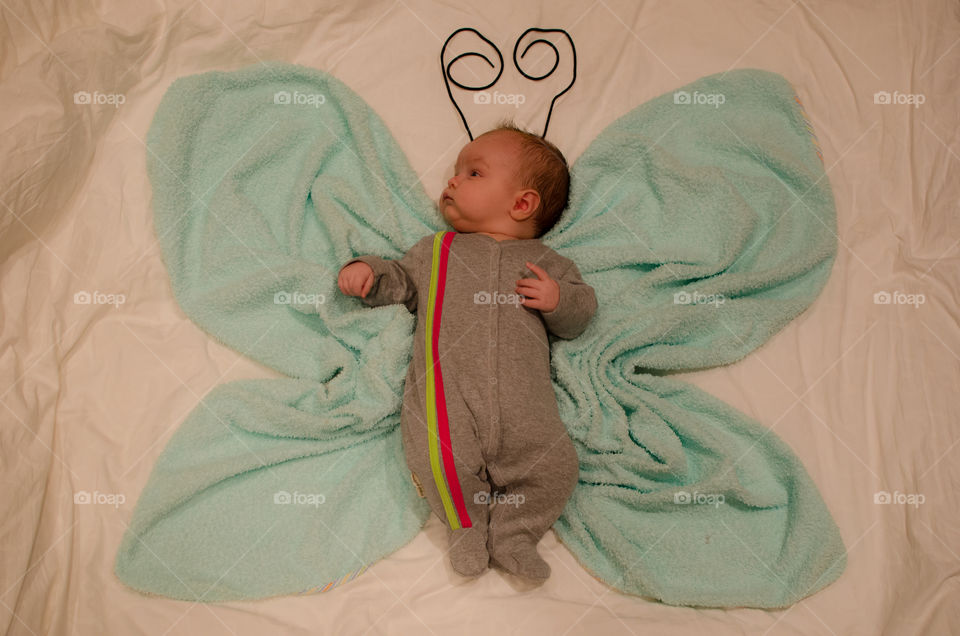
{"x":535,"y":473}
{"x":453,"y":479}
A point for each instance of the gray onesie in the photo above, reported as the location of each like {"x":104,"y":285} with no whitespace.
{"x":479,"y":420}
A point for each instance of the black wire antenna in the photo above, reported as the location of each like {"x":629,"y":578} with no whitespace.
{"x":447,"y":77}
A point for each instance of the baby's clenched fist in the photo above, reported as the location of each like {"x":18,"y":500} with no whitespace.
{"x":355,"y":279}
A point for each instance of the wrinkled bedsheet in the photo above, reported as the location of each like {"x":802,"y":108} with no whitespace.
{"x":100,"y":366}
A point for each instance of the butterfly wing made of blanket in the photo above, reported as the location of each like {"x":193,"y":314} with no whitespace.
{"x":705,"y":222}
{"x":265,"y":181}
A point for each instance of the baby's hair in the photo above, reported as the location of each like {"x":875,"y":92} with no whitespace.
{"x":544,"y":170}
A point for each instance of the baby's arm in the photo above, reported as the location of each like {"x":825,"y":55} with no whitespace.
{"x":392,"y":281}
{"x":578,"y":303}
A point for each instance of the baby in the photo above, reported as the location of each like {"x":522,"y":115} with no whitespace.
{"x":480,"y":425}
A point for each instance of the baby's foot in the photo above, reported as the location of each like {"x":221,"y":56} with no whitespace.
{"x":468,"y":551}
{"x":523,"y":560}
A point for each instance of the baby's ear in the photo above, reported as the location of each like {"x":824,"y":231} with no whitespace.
{"x":525,"y":205}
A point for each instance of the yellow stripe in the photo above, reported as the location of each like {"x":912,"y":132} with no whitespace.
{"x":431,"y":393}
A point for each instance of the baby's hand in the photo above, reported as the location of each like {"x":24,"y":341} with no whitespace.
{"x":356,"y":279}
{"x":542,"y":294}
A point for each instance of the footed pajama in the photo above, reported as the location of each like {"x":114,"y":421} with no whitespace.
{"x":480,"y":421}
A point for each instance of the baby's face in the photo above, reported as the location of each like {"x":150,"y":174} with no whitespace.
{"x":484,"y":185}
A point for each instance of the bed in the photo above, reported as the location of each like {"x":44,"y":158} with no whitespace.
{"x":102,"y":366}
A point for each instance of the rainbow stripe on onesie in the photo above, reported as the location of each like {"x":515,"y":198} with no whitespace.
{"x":444,"y":472}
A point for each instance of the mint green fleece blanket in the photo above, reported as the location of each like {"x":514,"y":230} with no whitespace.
{"x":702,"y":218}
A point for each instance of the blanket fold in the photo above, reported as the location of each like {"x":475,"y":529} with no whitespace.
{"x":704,"y":221}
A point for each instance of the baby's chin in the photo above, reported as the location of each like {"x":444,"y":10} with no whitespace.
{"x":452,"y":222}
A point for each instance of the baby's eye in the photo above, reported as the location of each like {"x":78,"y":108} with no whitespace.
{"x":474,"y":173}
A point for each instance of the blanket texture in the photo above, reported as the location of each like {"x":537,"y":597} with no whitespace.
{"x":702,"y":218}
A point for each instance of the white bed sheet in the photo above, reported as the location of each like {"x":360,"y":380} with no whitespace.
{"x":91,"y":393}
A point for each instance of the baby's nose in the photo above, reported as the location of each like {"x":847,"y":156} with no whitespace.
{"x":452,"y":181}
